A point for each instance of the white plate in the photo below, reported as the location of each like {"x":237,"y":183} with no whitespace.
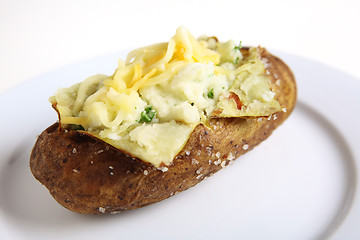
{"x":299,"y":184}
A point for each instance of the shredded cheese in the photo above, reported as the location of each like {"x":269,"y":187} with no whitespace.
{"x":184,"y":80}
{"x":143,"y":67}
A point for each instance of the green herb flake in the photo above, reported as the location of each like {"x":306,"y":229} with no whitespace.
{"x":211,"y":93}
{"x":147,"y":115}
{"x":236,"y":60}
{"x":238,"y":47}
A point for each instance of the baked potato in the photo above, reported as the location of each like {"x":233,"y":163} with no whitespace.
{"x":91,"y":174}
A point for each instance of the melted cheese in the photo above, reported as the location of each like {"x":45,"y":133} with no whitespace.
{"x":183,"y":80}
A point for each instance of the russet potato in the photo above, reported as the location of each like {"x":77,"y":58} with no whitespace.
{"x":88,"y":176}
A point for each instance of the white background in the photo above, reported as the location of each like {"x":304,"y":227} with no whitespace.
{"x":38,"y":36}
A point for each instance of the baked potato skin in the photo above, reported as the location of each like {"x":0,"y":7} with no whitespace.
{"x":88,"y":176}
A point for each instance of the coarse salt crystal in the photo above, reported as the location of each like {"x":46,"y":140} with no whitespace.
{"x":199,"y":170}
{"x":111,"y":167}
{"x":245,"y":147}
{"x":74,"y":150}
{"x":217,"y":154}
{"x":164,"y":169}
{"x":217,"y":162}
{"x":75,"y":171}
{"x":146,"y":172}
{"x":230,"y":156}
{"x":275,"y":117}
{"x":101,"y":209}
{"x":194,"y":161}
{"x":259,"y":119}
{"x":223,"y":164}
{"x":187,"y":153}
{"x":284,"y":109}
{"x":111,"y":173}
{"x":199,"y":176}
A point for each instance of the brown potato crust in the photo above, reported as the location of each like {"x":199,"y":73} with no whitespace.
{"x":88,"y":176}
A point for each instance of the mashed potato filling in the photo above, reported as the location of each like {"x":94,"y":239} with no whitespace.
{"x":160,"y":93}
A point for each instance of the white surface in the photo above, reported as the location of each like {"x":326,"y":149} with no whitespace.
{"x":299,"y":184}
{"x":275,"y":192}
{"x":40,"y":35}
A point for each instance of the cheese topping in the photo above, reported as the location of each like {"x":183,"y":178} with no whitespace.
{"x":160,"y":93}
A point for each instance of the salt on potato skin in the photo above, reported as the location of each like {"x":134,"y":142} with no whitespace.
{"x":134,"y":184}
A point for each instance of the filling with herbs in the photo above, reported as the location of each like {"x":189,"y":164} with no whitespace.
{"x":160,"y":93}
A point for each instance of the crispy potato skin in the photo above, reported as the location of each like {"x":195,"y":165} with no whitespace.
{"x":88,"y":176}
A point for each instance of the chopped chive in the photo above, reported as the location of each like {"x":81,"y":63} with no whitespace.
{"x":236,"y":60}
{"x":238,"y":47}
{"x":211,"y":93}
{"x":147,"y":115}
